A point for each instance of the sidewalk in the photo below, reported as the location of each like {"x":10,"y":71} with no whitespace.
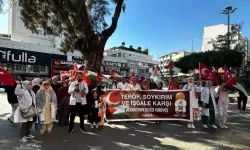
{"x":171,"y":135}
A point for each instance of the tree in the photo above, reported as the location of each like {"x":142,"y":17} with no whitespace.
{"x":139,"y":48}
{"x":216,"y":59}
{"x":221,"y":42}
{"x":81,"y":23}
{"x":131,"y":47}
{"x":123,"y":44}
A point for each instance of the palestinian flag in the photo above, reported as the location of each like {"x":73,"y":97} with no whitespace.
{"x":88,"y":76}
{"x":115,"y":75}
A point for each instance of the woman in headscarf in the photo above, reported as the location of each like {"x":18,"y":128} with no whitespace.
{"x":47,"y":103}
{"x":145,"y":85}
{"x":175,"y":85}
{"x":209,"y":108}
{"x":26,"y":98}
{"x":193,"y":98}
{"x":159,"y":87}
{"x":36,"y":83}
{"x":223,"y":106}
{"x":63,"y":103}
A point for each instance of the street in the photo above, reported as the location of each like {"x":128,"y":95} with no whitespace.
{"x":171,"y":135}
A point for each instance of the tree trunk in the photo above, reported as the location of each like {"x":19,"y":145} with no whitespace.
{"x":93,"y":60}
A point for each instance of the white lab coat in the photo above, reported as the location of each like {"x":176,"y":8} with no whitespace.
{"x":122,"y":86}
{"x":193,"y":89}
{"x":25,"y":101}
{"x":72,"y":92}
{"x":205,"y":99}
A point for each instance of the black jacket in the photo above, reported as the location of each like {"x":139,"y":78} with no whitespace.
{"x":91,"y":103}
{"x":10,"y":90}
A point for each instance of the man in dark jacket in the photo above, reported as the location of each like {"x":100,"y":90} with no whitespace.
{"x":12,"y":98}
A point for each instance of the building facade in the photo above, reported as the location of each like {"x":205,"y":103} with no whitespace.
{"x":125,"y":61}
{"x":174,"y":56}
{"x":33,"y":55}
{"x":211,"y":33}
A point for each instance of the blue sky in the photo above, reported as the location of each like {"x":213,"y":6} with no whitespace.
{"x":165,"y":26}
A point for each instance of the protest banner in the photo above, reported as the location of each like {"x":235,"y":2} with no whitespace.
{"x":147,"y":105}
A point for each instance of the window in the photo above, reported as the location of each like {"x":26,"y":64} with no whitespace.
{"x":42,"y":69}
{"x":119,"y":55}
{"x":19,"y":68}
{"x":35,"y":68}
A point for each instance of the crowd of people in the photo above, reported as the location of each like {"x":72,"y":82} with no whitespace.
{"x":44,"y":102}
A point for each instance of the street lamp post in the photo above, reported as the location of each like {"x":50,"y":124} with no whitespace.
{"x":227,"y":11}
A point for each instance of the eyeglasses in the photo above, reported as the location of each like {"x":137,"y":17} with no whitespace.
{"x":46,"y":84}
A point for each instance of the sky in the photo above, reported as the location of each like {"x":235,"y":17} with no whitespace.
{"x":165,"y":26}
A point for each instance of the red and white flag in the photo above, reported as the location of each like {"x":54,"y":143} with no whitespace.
{"x":6,"y":78}
{"x":228,"y":78}
{"x":207,"y":73}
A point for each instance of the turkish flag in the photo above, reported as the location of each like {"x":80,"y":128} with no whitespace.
{"x":75,"y":72}
{"x":6,"y":78}
{"x":228,"y":78}
{"x":207,"y":73}
{"x":231,"y":82}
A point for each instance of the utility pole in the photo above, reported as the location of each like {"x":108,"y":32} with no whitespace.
{"x":227,"y":11}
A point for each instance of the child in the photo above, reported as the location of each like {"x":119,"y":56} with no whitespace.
{"x":101,"y":109}
{"x":93,"y":106}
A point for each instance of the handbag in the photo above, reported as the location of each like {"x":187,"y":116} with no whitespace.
{"x":38,"y":125}
{"x":28,"y":112}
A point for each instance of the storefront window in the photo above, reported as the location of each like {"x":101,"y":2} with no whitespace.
{"x":42,"y":69}
{"x":19,"y":68}
{"x":35,"y":68}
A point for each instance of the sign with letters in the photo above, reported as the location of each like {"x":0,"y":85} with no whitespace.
{"x":147,"y":105}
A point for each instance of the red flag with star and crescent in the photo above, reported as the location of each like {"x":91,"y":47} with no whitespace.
{"x":207,"y":73}
{"x":228,"y":78}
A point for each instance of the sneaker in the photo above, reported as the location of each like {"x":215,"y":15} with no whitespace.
{"x":49,"y":131}
{"x":213,"y":126}
{"x":192,"y":126}
{"x":226,"y":127}
{"x":221,"y":126}
{"x":204,"y":126}
{"x":189,"y":126}
{"x":30,"y":136}
{"x":24,"y":140}
{"x":70,"y":131}
{"x":83,"y":130}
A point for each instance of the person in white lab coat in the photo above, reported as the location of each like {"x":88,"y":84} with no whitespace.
{"x":209,"y":108}
{"x":123,"y":84}
{"x":193,"y":88}
{"x":78,"y":102}
{"x":27,"y":99}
